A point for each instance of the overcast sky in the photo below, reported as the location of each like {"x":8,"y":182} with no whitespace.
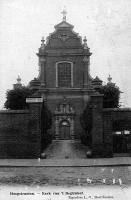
{"x":106,"y":23}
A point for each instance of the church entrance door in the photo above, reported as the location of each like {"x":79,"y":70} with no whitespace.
{"x":64,"y":130}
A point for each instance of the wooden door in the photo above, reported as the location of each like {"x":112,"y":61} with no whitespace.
{"x":64,"y":130}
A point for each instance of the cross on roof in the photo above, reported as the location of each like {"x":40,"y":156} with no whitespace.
{"x":64,"y":12}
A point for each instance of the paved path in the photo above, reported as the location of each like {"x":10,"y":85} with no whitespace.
{"x":61,"y":149}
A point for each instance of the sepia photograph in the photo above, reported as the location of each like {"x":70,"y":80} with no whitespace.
{"x":65,"y":99}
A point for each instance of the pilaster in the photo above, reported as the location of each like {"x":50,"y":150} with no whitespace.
{"x":86,"y":71}
{"x":42,"y":75}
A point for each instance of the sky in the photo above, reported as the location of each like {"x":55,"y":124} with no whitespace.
{"x":106,"y":24}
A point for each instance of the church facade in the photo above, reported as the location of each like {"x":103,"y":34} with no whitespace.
{"x":65,"y":85}
{"x":64,"y":79}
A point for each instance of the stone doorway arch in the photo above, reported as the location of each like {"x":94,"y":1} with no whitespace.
{"x":64,"y":120}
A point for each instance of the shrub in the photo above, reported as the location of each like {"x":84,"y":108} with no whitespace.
{"x":16,"y":98}
{"x":111,"y":95}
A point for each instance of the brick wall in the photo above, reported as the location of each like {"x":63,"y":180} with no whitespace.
{"x":19,"y":134}
{"x":107,"y":131}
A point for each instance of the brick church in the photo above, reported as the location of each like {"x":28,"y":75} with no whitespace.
{"x":64,"y":79}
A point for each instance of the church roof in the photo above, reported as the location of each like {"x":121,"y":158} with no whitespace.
{"x":64,"y":24}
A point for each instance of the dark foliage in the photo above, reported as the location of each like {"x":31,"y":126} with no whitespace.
{"x":46,"y":139}
{"x":86,"y":139}
{"x":46,"y":118}
{"x":111,"y":96}
{"x":86,"y":117}
{"x":16,"y":98}
{"x":46,"y":123}
{"x":86,"y":123}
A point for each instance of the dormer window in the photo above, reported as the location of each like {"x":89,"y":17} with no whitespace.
{"x":64,"y":74}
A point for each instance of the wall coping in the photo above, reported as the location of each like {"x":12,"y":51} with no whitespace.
{"x":117,"y":109}
{"x":97,"y":95}
{"x":14,"y":111}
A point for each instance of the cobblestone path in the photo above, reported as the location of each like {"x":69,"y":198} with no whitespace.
{"x":61,"y":149}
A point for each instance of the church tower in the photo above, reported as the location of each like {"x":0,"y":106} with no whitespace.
{"x":64,"y":78}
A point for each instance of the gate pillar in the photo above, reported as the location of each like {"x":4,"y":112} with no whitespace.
{"x":35,"y":105}
{"x":97,"y":126}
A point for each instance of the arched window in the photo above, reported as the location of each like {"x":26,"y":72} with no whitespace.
{"x":64,"y":74}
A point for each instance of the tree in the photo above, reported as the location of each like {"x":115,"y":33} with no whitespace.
{"x":16,"y":98}
{"x":111,"y":95}
{"x":46,"y":117}
{"x":86,"y":123}
{"x":86,"y":117}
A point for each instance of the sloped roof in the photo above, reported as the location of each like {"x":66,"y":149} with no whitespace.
{"x":64,"y":24}
{"x":97,"y":79}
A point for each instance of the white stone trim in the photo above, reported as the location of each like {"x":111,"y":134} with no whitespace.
{"x":57,"y":72}
{"x":34,"y":100}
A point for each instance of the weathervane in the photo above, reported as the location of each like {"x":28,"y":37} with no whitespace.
{"x":64,"y":12}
